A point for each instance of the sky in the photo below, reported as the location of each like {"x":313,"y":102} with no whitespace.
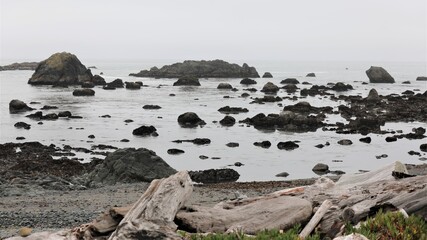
{"x":292,"y":30}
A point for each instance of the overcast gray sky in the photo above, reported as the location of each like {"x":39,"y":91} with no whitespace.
{"x":318,"y":30}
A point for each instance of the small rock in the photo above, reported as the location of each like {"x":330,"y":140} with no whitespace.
{"x":345,"y":142}
{"x":128,"y":120}
{"x":365,"y":139}
{"x":203,"y":157}
{"x":190,"y":119}
{"x":320,"y":146}
{"x":270,"y":88}
{"x":423,"y":147}
{"x":187,"y":81}
{"x":248,"y":81}
{"x":263,"y":144}
{"x":91,"y":136}
{"x":381,"y":156}
{"x":290,"y":81}
{"x":311,"y":75}
{"x":25,"y":231}
{"x":321,"y":168}
{"x":421,"y":78}
{"x":22,"y":125}
{"x":289,"y":145}
{"x":174,"y":151}
{"x":224,"y":86}
{"x":414,"y":153}
{"x":151,"y":107}
{"x":232,"y":144}
{"x":124,"y":140}
{"x":20,"y":138}
{"x":238,"y":164}
{"x":145,"y":131}
{"x":282,"y":174}
{"x":228,"y":121}
{"x":83,"y":92}
{"x":391,"y":139}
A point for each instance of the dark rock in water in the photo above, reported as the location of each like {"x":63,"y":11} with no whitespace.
{"x":98,"y":80}
{"x":379,"y":75}
{"x":311,"y":75}
{"x":321,"y":168}
{"x":190,"y":119}
{"x":36,"y":115}
{"x":224,"y":86}
{"x":345,"y":142}
{"x":289,"y":145}
{"x":320,"y":146}
{"x":47,"y":107}
{"x":151,"y":107}
{"x":290,"y":88}
{"x":408,"y":92}
{"x":197,"y":141}
{"x":245,"y":95}
{"x":419,"y":131}
{"x":423,"y":147}
{"x":75,"y":117}
{"x":406,"y":82}
{"x":232,"y":144}
{"x":306,"y":83}
{"x":20,"y":66}
{"x":263,"y":144}
{"x":106,"y":116}
{"x":270,"y":88}
{"x":88,"y":85}
{"x":391,"y":139}
{"x":91,"y":136}
{"x":382,"y":156}
{"x":108,"y":88}
{"x":117,"y":83}
{"x":63,"y":68}
{"x":267,"y":98}
{"x":250,"y":89}
{"x":366,"y":125}
{"x":132,"y":85}
{"x":421,"y":78}
{"x":228,"y":121}
{"x":306,"y":108}
{"x":412,"y":153}
{"x":341,"y":87}
{"x":83,"y":92}
{"x":232,"y":110}
{"x":174,"y":151}
{"x":22,"y":125}
{"x":203,"y":157}
{"x":238,"y":164}
{"x":16,"y":106}
{"x":373,"y":96}
{"x":283,"y":174}
{"x":365,"y":139}
{"x":50,"y":116}
{"x":128,"y":121}
{"x":187,"y":81}
{"x":20,"y":138}
{"x":200,"y":69}
{"x":130,"y":165}
{"x":214,"y":175}
{"x":145,"y":131}
{"x":248,"y":81}
{"x":124,"y":140}
{"x":290,"y":81}
{"x":267,"y":75}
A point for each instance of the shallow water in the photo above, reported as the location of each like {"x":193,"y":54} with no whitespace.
{"x":259,"y":164}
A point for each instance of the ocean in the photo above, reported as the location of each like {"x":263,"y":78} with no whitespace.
{"x":259,"y":164}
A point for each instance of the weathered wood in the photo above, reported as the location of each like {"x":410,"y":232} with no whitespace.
{"x":151,"y":217}
{"x":315,"y":219}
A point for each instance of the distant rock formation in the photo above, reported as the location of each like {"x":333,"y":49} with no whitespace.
{"x":421,"y":78}
{"x":20,"y":66}
{"x":379,"y":75}
{"x":200,"y":69}
{"x":267,"y":75}
{"x":61,"y":69}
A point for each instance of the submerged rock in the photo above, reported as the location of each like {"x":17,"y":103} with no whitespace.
{"x":132,"y":85}
{"x":151,"y":107}
{"x":214,"y":175}
{"x":117,"y":83}
{"x":22,"y":125}
{"x":175,"y":151}
{"x":379,"y":75}
{"x":200,"y":69}
{"x":187,"y":81}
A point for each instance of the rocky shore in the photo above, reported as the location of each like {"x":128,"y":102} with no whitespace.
{"x":20,"y":66}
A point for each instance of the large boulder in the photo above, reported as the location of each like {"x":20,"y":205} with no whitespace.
{"x":61,"y":69}
{"x":200,"y":69}
{"x":145,"y":131}
{"x":16,"y":106}
{"x":270,"y":88}
{"x":130,"y":165}
{"x":187,"y":81}
{"x":373,"y":96}
{"x":379,"y":75}
{"x":190,"y":119}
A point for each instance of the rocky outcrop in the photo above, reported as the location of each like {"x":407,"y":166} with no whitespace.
{"x":130,"y":165}
{"x":133,"y":85}
{"x":84,"y":92}
{"x":190,"y":119}
{"x":16,"y":106}
{"x":214,"y":175}
{"x":379,"y":75}
{"x":248,"y":81}
{"x":61,"y":69}
{"x":287,"y":121}
{"x":306,"y":108}
{"x":98,"y":80}
{"x":421,"y":78}
{"x":373,"y":96}
{"x":117,"y":83}
{"x":342,"y":87}
{"x":270,"y":88}
{"x":200,"y":69}
{"x":187,"y":81}
{"x":267,"y":75}
{"x":20,"y":66}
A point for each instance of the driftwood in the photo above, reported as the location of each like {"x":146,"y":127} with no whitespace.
{"x":315,"y":219}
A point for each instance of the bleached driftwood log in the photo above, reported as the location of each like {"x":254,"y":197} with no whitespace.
{"x":315,"y":219}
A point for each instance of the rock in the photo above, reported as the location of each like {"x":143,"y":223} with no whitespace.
{"x":420,"y":78}
{"x":423,"y":147}
{"x":391,"y":139}
{"x":132,"y":85}
{"x":64,"y":114}
{"x":20,"y":66}
{"x":321,"y":168}
{"x":203,"y":157}
{"x":214,"y":175}
{"x":187,"y":81}
{"x":91,"y":136}
{"x":381,"y":156}
{"x":50,"y":116}
{"x":248,"y":81}
{"x":379,"y":75}
{"x":290,"y":81}
{"x":47,"y":107}
{"x":224,"y":86}
{"x":263,"y":144}
{"x":16,"y":106}
{"x":200,"y":69}
{"x":282,"y":174}
{"x":117,"y":83}
{"x":20,"y":138}
{"x":36,"y":115}
{"x":320,"y":146}
{"x":105,"y":116}
{"x":408,"y":92}
{"x":128,"y":121}
{"x":365,"y":139}
{"x":238,"y":164}
{"x":232,"y":144}
{"x":412,"y":152}
{"x":341,"y":87}
{"x":88,"y":85}
{"x":151,"y":107}
{"x":145,"y":131}
{"x":197,"y":141}
{"x":345,"y":142}
{"x":22,"y":125}
{"x":83,"y":92}
{"x":270,"y":88}
{"x":305,"y":108}
{"x":290,"y":88}
{"x":267,"y":98}
{"x":232,"y":110}
{"x":61,"y":68}
{"x":311,"y":75}
{"x":190,"y":119}
{"x":25,"y":231}
{"x":289,"y":145}
{"x":228,"y":121}
{"x":373,"y":96}
{"x":267,"y":75}
{"x":174,"y":151}
{"x":406,"y":82}
{"x":130,"y":165}
{"x":98,"y":80}
{"x":124,"y":140}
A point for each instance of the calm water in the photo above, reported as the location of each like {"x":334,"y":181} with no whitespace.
{"x":259,"y":163}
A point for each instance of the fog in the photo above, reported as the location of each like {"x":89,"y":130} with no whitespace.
{"x":305,"y":30}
